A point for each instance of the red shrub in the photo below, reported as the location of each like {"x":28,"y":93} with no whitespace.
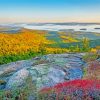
{"x":84,"y":89}
{"x":78,"y":84}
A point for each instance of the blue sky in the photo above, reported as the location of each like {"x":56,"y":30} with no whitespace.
{"x":49,"y":11}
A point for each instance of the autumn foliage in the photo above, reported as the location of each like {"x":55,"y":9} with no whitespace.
{"x":12,"y":44}
{"x":73,"y":90}
{"x":30,"y":43}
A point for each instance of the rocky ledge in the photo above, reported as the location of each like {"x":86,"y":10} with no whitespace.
{"x":46,"y":71}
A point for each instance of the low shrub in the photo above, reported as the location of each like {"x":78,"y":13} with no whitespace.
{"x":73,"y":90}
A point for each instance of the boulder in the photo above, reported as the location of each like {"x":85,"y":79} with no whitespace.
{"x":17,"y":79}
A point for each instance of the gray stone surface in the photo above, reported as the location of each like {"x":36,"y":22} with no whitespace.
{"x":45,"y":71}
{"x":17,"y":79}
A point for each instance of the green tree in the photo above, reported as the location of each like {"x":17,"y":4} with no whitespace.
{"x":85,"y":45}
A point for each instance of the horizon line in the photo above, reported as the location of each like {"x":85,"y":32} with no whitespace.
{"x":49,"y":22}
